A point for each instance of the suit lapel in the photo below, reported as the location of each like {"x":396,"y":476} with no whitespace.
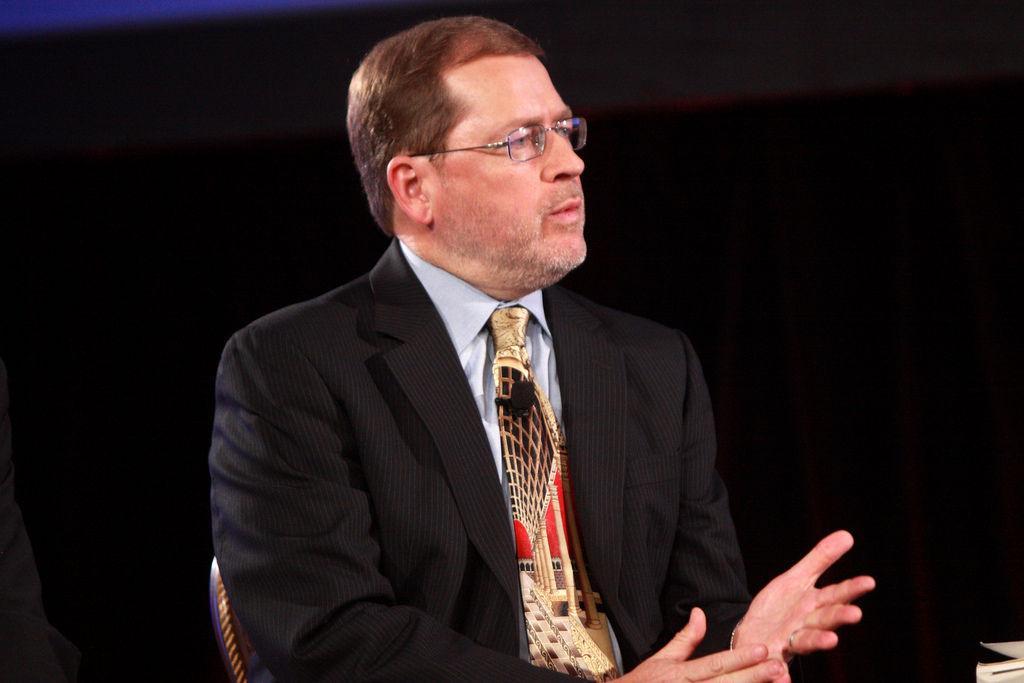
{"x":429,"y":372}
{"x":592,"y":380}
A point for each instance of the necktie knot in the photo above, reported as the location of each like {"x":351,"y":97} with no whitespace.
{"x":508,"y":327}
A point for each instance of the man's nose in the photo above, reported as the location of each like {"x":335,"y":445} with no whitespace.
{"x":560,"y":159}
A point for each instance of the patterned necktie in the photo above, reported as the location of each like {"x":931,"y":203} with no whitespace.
{"x":563,"y":634}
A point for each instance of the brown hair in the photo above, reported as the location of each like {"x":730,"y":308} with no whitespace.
{"x":398,"y":102}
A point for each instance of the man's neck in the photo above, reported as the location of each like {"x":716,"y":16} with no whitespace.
{"x":473,"y":275}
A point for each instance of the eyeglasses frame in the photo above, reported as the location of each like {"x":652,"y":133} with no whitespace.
{"x":578,"y":122}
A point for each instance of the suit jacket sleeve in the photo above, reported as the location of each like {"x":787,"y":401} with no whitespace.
{"x":706,"y":567}
{"x":30,"y":649}
{"x":294,"y":534}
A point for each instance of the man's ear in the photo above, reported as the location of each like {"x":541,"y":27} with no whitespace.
{"x":409,"y":180}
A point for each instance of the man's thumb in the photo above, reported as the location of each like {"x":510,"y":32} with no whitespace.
{"x":686,"y":640}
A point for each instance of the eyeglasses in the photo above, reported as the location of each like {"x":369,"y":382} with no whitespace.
{"x":528,"y":142}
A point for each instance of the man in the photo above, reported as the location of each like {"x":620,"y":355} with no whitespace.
{"x":364,"y":484}
{"x":30,"y":649}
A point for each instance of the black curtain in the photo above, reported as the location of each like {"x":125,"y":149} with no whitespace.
{"x":849,"y":269}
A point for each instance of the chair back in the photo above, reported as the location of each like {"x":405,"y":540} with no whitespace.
{"x":235,"y":648}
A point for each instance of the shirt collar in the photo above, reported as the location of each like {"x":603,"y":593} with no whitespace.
{"x":463,"y":307}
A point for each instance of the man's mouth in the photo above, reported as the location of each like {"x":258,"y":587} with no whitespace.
{"x":569,"y":210}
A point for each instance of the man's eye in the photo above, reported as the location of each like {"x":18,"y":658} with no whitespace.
{"x":519,"y":139}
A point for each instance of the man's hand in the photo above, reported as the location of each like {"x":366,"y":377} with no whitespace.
{"x":671,"y":663}
{"x":791,"y":616}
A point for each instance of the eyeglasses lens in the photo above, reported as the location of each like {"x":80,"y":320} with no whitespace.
{"x":577,"y":132}
{"x":526,"y":143}
{"x":529,"y":141}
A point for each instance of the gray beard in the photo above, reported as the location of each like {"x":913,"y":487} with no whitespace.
{"x":517,"y":262}
{"x":518,"y":268}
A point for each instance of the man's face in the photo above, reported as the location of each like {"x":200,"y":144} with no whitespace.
{"x":508,"y":227}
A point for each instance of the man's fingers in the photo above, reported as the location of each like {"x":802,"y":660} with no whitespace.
{"x":719,"y":664}
{"x":824,"y":555}
{"x":846,"y":591}
{"x":768,"y":671}
{"x":773,"y":670}
{"x":686,"y":640}
{"x":743,"y":665}
{"x":807,"y":640}
{"x":831,"y":617}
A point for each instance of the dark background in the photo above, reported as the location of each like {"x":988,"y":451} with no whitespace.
{"x":829,"y":202}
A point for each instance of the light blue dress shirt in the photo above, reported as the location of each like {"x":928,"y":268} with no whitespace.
{"x":465,"y":311}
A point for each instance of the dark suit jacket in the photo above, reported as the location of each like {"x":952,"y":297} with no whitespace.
{"x":30,"y":649}
{"x":360,"y":527}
